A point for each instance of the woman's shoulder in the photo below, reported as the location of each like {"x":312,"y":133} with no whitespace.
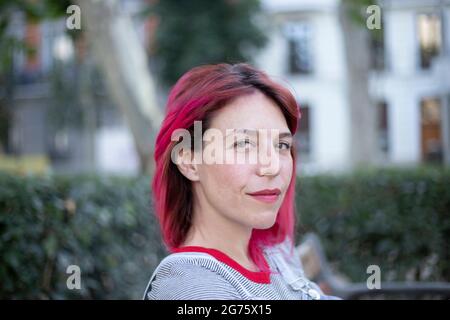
{"x":285,"y":255}
{"x":186,"y":276}
{"x":287,"y":250}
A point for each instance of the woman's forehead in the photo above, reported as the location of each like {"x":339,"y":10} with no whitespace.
{"x":258,"y":132}
{"x":250,"y":112}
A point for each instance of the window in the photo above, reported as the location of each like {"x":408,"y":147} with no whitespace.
{"x":59,"y":144}
{"x":431,"y":130}
{"x":298,"y":37}
{"x":304,"y":131}
{"x":430,"y":38}
{"x":28,"y":63}
{"x":377,"y":51}
{"x":382,"y":126}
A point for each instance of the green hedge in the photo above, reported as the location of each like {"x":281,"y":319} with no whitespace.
{"x":103,"y":225}
{"x":398,"y":219}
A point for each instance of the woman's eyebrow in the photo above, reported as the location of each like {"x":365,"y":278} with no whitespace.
{"x":244,"y":131}
{"x":284,"y":134}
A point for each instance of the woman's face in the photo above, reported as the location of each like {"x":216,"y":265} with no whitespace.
{"x":226,"y":188}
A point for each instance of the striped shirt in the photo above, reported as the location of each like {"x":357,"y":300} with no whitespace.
{"x":198,"y":273}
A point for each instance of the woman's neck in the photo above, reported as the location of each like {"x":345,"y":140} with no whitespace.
{"x":222,"y":236}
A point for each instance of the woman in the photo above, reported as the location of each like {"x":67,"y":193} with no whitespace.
{"x":227,"y":220}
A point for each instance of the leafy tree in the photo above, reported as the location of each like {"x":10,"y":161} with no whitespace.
{"x":363,"y":117}
{"x":190,"y":33}
{"x":33,"y":11}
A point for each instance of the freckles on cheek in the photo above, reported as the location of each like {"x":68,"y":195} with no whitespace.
{"x":288,"y":174}
{"x":286,"y":169}
{"x":229,"y":178}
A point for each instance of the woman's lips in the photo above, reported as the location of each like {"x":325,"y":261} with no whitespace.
{"x":267,"y":198}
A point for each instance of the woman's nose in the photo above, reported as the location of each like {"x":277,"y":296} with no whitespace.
{"x":268,"y":161}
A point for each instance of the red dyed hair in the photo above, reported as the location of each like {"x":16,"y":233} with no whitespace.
{"x":196,"y":95}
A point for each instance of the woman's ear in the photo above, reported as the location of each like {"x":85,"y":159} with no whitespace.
{"x":187,"y":165}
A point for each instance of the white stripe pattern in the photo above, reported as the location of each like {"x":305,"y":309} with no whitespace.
{"x":200,"y":276}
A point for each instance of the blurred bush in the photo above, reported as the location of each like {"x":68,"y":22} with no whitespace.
{"x":398,"y":219}
{"x":103,"y":225}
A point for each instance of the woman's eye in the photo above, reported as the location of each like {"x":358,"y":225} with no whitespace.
{"x":248,"y":143}
{"x":242,"y":143}
{"x":284,"y":145}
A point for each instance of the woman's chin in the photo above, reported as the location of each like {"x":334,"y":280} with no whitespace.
{"x":264,"y":221}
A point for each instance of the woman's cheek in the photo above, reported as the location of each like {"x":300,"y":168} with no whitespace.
{"x":288,"y":171}
{"x":231,"y":177}
{"x":286,"y":167}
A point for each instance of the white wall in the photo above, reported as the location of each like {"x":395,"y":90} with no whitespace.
{"x":115,"y":151}
{"x":405,"y":84}
{"x":323,"y":90}
{"x":402,"y":85}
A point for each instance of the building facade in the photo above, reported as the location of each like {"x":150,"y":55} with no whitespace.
{"x":408,"y":88}
{"x":408,"y":80}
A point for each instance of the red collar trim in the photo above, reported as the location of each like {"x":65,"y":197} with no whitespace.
{"x":255,"y":276}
